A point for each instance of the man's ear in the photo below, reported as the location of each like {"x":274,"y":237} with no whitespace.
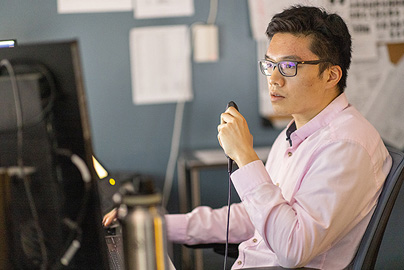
{"x":334,"y":75}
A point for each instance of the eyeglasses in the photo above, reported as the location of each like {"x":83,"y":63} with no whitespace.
{"x":286,"y":68}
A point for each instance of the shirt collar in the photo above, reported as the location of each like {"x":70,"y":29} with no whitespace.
{"x":320,"y":120}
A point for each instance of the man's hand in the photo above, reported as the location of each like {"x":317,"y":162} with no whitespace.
{"x":110,"y":217}
{"x":235,"y":138}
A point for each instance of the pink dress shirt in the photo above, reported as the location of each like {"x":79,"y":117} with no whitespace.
{"x":309,"y":205}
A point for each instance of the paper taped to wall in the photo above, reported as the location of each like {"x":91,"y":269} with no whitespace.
{"x":161,"y":64}
{"x":84,"y":6}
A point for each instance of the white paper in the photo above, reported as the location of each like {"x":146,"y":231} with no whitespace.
{"x":387,"y":111}
{"x":364,"y":41}
{"x":366,"y":79}
{"x":388,"y":15}
{"x":160,"y":64}
{"x":82,"y":6}
{"x":163,"y":8}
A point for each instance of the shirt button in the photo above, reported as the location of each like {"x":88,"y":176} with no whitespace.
{"x":239,"y":262}
{"x":290,"y":154}
{"x":255,"y":240}
{"x":277,"y":184}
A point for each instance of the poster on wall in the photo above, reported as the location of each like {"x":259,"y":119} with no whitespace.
{"x":147,"y":9}
{"x":388,"y":16}
{"x":160,"y":58}
{"x":143,"y":9}
{"x":84,"y":6}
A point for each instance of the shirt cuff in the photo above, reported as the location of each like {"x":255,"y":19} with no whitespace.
{"x":176,"y":227}
{"x":249,"y":176}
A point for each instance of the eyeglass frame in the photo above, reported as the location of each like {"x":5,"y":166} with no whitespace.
{"x":276,"y":65}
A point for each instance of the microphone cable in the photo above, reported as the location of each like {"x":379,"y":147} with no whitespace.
{"x":229,"y":170}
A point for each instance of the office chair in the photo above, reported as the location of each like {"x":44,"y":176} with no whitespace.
{"x":368,"y":249}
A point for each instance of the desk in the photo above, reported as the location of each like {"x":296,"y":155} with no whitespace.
{"x":189,"y":165}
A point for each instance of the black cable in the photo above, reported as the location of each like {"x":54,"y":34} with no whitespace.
{"x":229,"y":170}
{"x":73,"y":242}
{"x":20,"y":161}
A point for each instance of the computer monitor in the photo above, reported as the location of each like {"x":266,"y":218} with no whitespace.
{"x":52,"y":216}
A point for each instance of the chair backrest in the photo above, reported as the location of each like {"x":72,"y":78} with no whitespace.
{"x":366,"y":255}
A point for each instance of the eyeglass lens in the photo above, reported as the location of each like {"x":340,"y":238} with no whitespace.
{"x":286,"y":68}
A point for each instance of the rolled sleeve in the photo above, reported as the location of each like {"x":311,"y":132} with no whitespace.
{"x":256,"y":174}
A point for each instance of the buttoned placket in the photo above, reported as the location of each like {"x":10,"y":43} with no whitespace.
{"x":255,"y":242}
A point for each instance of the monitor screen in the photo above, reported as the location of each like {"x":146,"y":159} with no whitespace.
{"x":50,"y":209}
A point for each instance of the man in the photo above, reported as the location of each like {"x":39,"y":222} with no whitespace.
{"x":312,"y":201}
{"x":310,"y":204}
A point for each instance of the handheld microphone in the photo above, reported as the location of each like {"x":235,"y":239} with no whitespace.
{"x":229,"y":160}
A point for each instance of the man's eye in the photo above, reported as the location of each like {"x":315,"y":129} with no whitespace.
{"x":288,"y":65}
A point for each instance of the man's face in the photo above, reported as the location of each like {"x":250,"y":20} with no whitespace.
{"x":304,"y":95}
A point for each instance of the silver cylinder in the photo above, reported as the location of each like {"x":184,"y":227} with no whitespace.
{"x":143,"y":232}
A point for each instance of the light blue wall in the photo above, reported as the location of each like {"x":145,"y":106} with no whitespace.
{"x":137,"y":138}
